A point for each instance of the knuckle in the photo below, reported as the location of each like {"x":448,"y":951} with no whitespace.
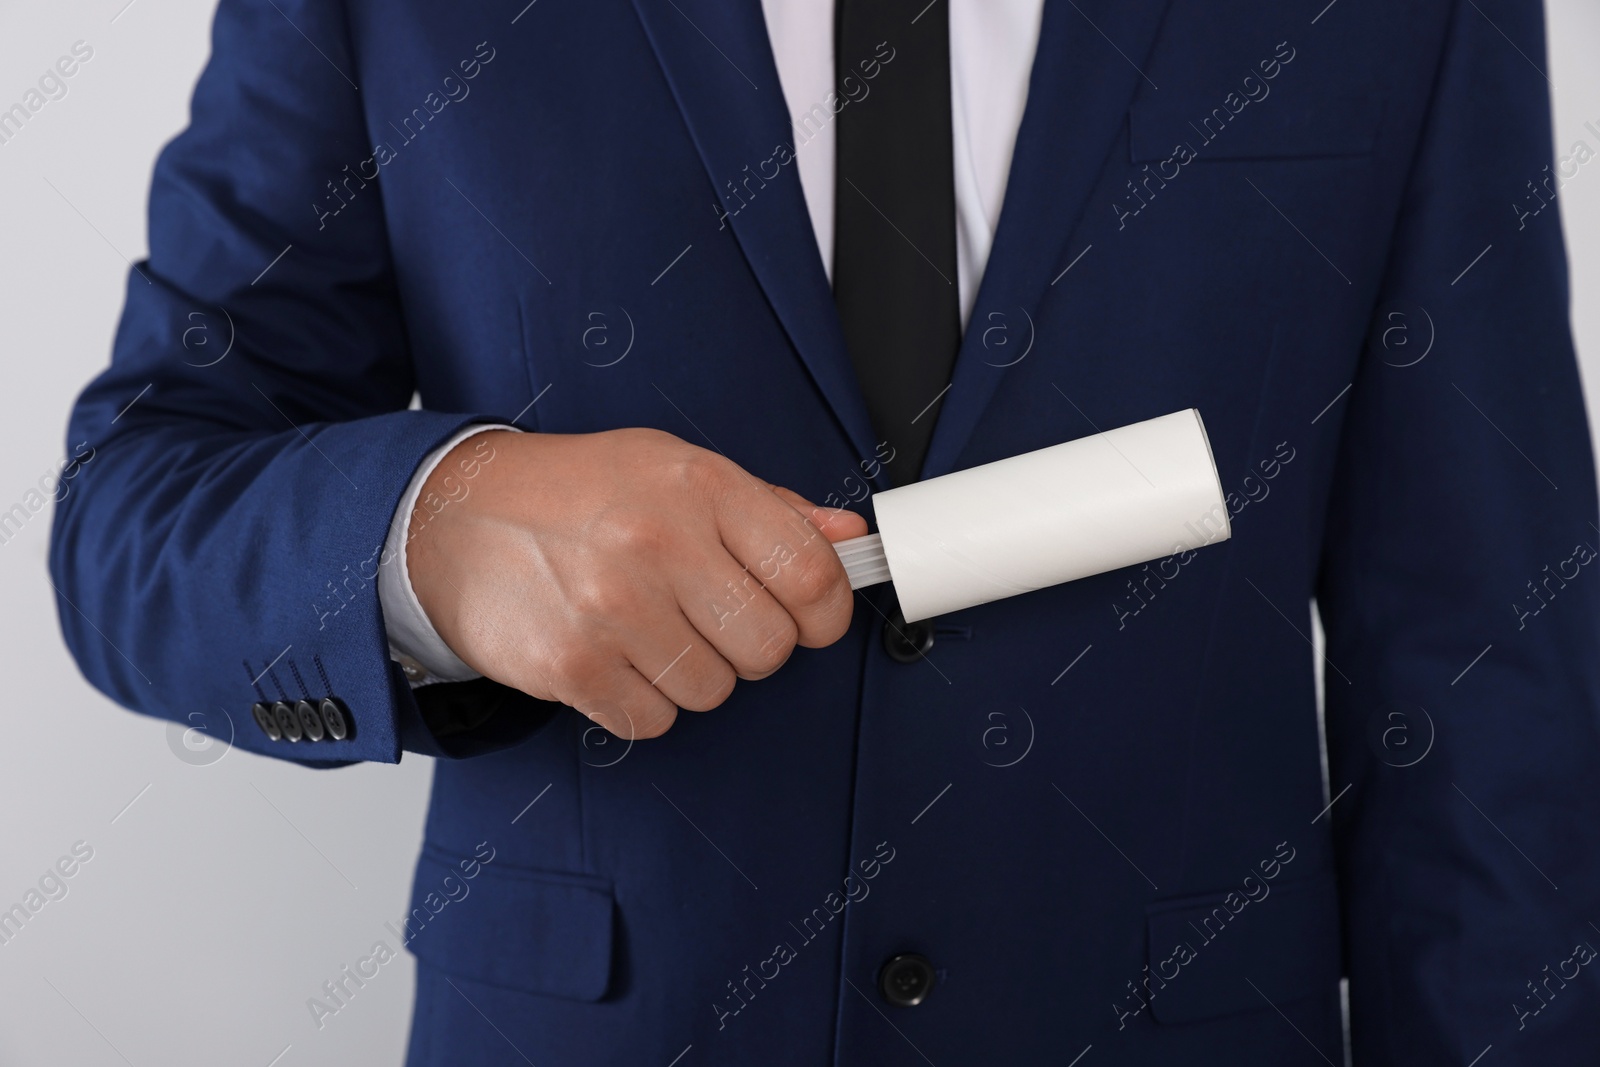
{"x":604,"y":597}
{"x":710,"y":691}
{"x":841,"y":625}
{"x":576,"y":668}
{"x":774,"y":650}
{"x":625,"y":705}
{"x":827,"y":626}
{"x":649,"y":435}
{"x":652,"y":718}
{"x":639,"y":534}
{"x":646,"y":441}
{"x":722,"y":688}
{"x":610,"y":717}
{"x":814,"y":579}
{"x":702,"y":474}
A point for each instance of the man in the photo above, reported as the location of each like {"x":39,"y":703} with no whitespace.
{"x":701,"y":286}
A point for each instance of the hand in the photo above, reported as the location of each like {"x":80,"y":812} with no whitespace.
{"x":626,"y":573}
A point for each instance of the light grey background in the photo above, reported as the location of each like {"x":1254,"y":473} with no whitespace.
{"x":221,"y":896}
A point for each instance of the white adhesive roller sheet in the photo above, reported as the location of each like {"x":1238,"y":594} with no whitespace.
{"x":1116,"y":499}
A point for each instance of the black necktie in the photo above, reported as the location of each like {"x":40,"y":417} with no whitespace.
{"x":894,"y":256}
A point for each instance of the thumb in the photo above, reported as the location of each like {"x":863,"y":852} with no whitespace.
{"x":836,"y":524}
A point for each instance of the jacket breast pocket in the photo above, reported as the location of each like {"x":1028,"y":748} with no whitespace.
{"x":1274,"y":127}
{"x":543,"y":932}
{"x":1229,"y":952}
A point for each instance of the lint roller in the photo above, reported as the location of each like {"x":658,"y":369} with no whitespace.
{"x":1114,"y":499}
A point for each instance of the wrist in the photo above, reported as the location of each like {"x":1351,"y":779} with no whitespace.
{"x":454,"y":479}
{"x":454,"y":486}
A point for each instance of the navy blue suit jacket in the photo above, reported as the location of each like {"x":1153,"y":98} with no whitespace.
{"x":1101,"y":810}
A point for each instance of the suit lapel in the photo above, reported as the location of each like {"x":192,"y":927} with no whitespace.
{"x":718,"y":60}
{"x":1078,"y":94}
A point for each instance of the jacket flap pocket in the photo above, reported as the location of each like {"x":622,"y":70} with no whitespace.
{"x":545,"y":932}
{"x":1342,"y":125}
{"x":1205,"y":952}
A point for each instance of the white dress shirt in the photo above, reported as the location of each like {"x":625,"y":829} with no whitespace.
{"x":992,"y":44}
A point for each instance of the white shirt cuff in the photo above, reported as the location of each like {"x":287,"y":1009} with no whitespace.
{"x":413,"y":642}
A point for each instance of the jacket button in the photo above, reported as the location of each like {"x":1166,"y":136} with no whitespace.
{"x":335,"y":719}
{"x":906,"y":642}
{"x":310,"y":720}
{"x":906,"y":980}
{"x":287,"y":720}
{"x":262,"y":714}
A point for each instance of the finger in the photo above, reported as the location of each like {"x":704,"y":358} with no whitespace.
{"x":678,"y":661}
{"x":618,"y":721}
{"x":616,"y":696}
{"x":731,"y":608}
{"x":792,"y":557}
{"x":836,"y":524}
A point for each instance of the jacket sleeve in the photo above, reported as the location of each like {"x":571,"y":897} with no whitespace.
{"x":1459,"y":589}
{"x":241,"y":459}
